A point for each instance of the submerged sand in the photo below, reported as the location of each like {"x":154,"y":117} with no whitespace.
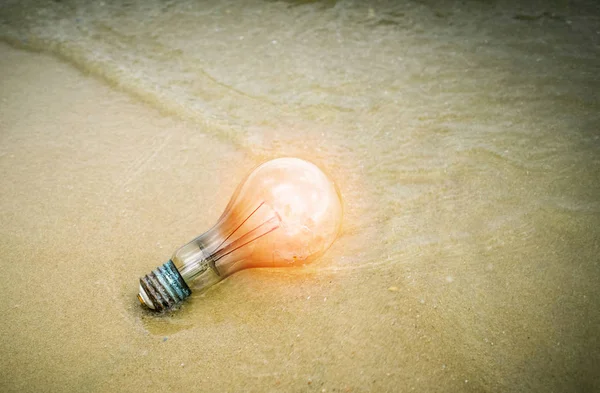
{"x":468,"y":261}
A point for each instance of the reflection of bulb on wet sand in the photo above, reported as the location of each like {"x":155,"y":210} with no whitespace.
{"x":285,"y":213}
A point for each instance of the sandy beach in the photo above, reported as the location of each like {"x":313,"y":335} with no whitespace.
{"x":468,"y":259}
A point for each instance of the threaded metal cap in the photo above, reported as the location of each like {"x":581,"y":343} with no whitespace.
{"x":163,"y":288}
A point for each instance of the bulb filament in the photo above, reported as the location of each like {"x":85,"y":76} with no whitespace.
{"x":261,"y":230}
{"x":261,"y":221}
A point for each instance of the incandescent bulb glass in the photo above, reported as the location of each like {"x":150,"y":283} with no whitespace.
{"x":286,"y":212}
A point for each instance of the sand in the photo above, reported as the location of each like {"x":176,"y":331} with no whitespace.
{"x":468,"y":259}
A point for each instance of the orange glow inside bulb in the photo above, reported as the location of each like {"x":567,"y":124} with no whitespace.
{"x":286,"y":212}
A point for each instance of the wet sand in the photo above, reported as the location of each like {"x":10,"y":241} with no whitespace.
{"x":99,"y":188}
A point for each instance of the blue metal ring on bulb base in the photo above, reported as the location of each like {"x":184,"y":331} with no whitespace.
{"x":165,"y":287}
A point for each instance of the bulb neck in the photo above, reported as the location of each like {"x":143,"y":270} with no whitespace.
{"x":163,"y":288}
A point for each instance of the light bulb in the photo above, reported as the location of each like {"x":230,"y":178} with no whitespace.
{"x":286,"y":212}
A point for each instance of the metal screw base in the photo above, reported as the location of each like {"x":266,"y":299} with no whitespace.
{"x":164,"y":288}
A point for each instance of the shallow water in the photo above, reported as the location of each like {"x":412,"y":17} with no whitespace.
{"x":464,"y":139}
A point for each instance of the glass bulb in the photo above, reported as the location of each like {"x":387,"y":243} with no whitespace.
{"x":286,"y":212}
